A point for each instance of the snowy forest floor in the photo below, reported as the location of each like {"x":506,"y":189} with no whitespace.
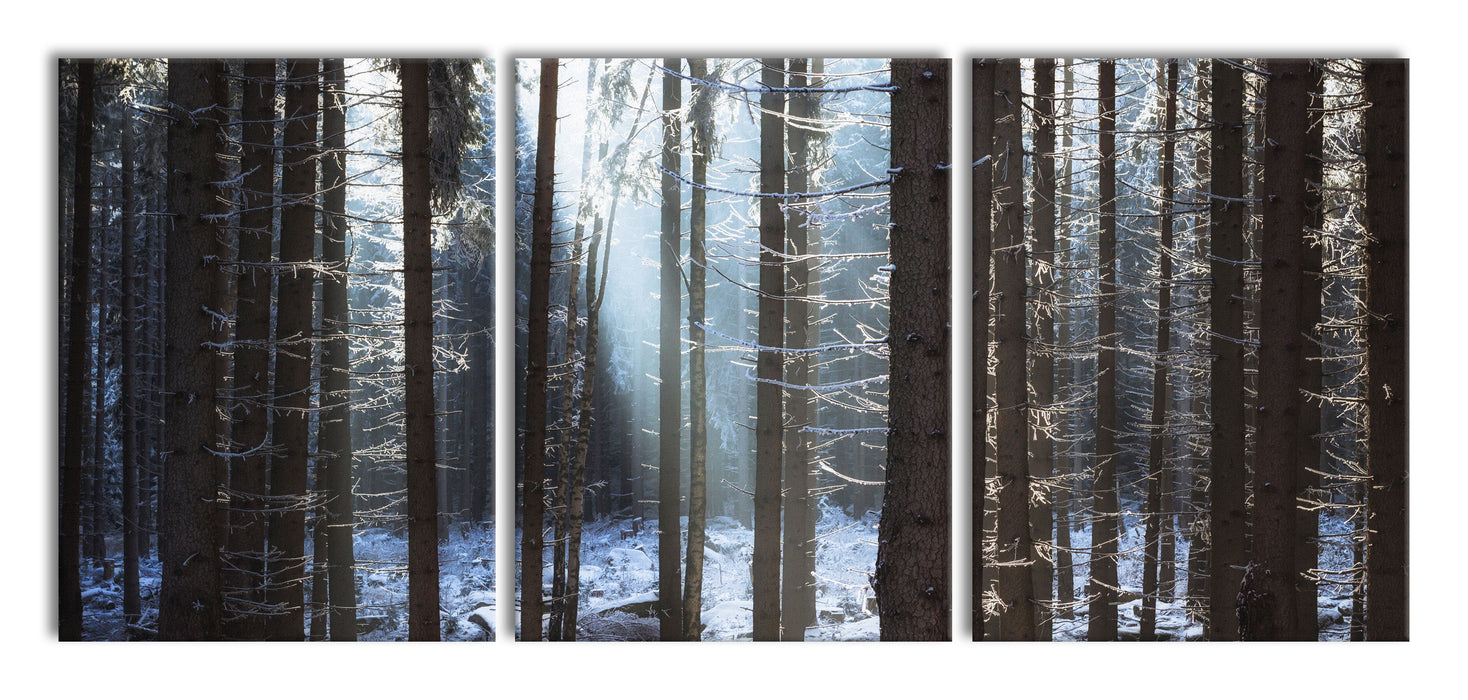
{"x":619,"y":579}
{"x":466,"y":588}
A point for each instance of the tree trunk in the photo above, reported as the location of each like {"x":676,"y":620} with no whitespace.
{"x":422,"y":477}
{"x":797,"y":602}
{"x":531,"y":541}
{"x":1065,"y":573}
{"x":248,"y":477}
{"x":70,"y":561}
{"x":131,"y":601}
{"x":1311,"y":380}
{"x":701,"y":132}
{"x":292,"y":396}
{"x":336,"y":358}
{"x":1267,"y":602}
{"x":670,"y":369}
{"x":1042,"y":376}
{"x":1013,"y":546}
{"x":912,"y":580}
{"x":1106,"y":529}
{"x":189,"y":598}
{"x":769,"y":421}
{"x":1386,"y":342}
{"x":982,"y":211}
{"x":1226,"y":472}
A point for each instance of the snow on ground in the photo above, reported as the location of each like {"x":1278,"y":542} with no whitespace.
{"x":619,"y":572}
{"x":1173,"y":623}
{"x":466,"y":589}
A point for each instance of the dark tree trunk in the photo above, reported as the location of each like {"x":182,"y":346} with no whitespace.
{"x":769,"y":421}
{"x":336,"y":358}
{"x":1386,"y":342}
{"x":701,"y":130}
{"x":1013,"y":545}
{"x":912,"y":580}
{"x":1064,"y":571}
{"x":189,"y":598}
{"x":533,"y":504}
{"x":1106,"y":529}
{"x":131,"y":601}
{"x":1267,"y":601}
{"x":295,"y":305}
{"x":80,"y":284}
{"x":1307,"y":532}
{"x":248,"y":477}
{"x":797,"y":602}
{"x":670,"y":370}
{"x":422,"y":478}
{"x":1226,"y":465}
{"x":1042,"y":375}
{"x":982,"y":211}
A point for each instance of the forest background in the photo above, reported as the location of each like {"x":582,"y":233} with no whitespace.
{"x":34,"y":39}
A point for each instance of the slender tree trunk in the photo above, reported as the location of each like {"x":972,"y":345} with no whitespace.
{"x":670,"y":370}
{"x":531,"y":541}
{"x":560,"y":572}
{"x":1013,"y":545}
{"x":336,"y":387}
{"x":912,"y":580}
{"x":1267,"y":599}
{"x":96,"y":547}
{"x":769,"y":421}
{"x":982,"y":211}
{"x":1159,"y":473}
{"x":1105,"y":530}
{"x":797,"y":602}
{"x":131,"y":601}
{"x":423,"y":611}
{"x":1226,"y":465}
{"x":70,"y":562}
{"x":1386,"y":342}
{"x":292,"y":396}
{"x":189,"y":597}
{"x":701,"y":132}
{"x":1042,"y":376}
{"x":1064,"y":571}
{"x":1307,"y":532}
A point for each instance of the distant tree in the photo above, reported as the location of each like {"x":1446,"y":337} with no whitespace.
{"x":1105,"y":530}
{"x":982,"y":212}
{"x":769,"y":411}
{"x":1226,"y":464}
{"x":1386,"y":341}
{"x":1159,"y":472}
{"x":188,"y":542}
{"x":912,"y":579}
{"x":670,"y":365}
{"x":1012,"y":416}
{"x":533,"y":508}
{"x":1065,"y":368}
{"x":423,"y":622}
{"x":79,"y":283}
